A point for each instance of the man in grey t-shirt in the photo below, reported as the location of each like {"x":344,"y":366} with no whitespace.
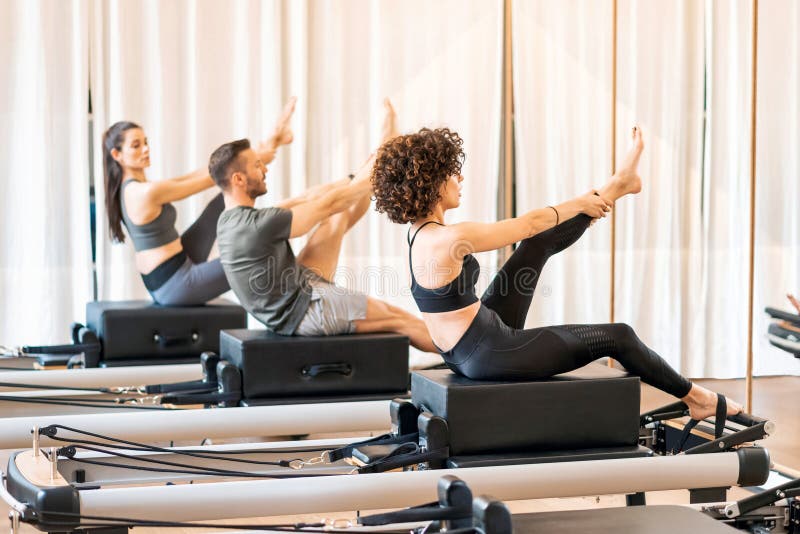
{"x":295,"y":296}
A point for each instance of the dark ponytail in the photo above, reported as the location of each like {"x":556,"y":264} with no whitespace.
{"x":112,"y":173}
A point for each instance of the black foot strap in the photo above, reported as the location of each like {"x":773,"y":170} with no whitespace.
{"x":719,"y":424}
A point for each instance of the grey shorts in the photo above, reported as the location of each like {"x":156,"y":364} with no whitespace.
{"x":332,"y":310}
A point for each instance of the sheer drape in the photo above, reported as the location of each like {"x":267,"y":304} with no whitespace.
{"x":203,"y":73}
{"x":441,"y":69}
{"x":777,"y":174}
{"x":194,"y":75}
{"x":681,"y":276}
{"x":562,"y":74}
{"x":45,"y":267}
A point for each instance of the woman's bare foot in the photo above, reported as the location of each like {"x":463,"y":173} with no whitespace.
{"x":702,"y":403}
{"x":626,"y":181}
{"x":389,"y":128}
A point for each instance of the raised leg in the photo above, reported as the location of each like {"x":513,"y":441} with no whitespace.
{"x":511,"y":291}
{"x":198,"y":239}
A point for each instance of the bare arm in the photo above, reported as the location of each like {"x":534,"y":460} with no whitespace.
{"x":482,"y":237}
{"x":312,"y":193}
{"x":338,"y":197}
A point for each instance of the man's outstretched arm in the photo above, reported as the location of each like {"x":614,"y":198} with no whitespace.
{"x":336,"y":197}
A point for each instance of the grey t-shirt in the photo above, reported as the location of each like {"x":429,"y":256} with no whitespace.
{"x":261,"y":267}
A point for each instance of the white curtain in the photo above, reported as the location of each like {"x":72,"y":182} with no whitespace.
{"x":202,"y":73}
{"x":681,"y":274}
{"x":777,"y":250}
{"x":45,"y":267}
{"x":562,"y":102}
{"x":440,"y":69}
{"x":716,"y":344}
{"x":194,"y":75}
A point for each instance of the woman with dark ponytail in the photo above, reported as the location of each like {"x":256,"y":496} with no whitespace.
{"x":175,"y":268}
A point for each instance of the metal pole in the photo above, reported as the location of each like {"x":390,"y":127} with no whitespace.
{"x":225,"y":500}
{"x":753,"y":86}
{"x":256,"y":421}
{"x":613,"y":295}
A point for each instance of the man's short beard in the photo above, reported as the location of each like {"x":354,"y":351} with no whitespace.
{"x":254,"y":190}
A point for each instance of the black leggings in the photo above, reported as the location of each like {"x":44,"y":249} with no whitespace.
{"x":198,"y":239}
{"x":496,"y":347}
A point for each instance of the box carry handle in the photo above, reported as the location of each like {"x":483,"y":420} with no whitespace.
{"x":167,"y":341}
{"x":316,"y":369}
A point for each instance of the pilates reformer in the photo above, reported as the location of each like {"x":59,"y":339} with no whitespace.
{"x":254,"y":368}
{"x":785,"y":332}
{"x":775,"y":510}
{"x":450,"y":426}
{"x":126,"y":333}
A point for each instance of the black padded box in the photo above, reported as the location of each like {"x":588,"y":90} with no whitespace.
{"x":592,"y":407}
{"x":143,"y":332}
{"x":275,"y":366}
{"x":662,"y":519}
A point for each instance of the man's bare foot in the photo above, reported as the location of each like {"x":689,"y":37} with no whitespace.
{"x":794,"y":302}
{"x":389,"y":128}
{"x":702,"y":403}
{"x":789,"y":326}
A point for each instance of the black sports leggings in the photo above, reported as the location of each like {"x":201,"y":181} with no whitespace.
{"x":198,"y":239}
{"x":496,"y":347}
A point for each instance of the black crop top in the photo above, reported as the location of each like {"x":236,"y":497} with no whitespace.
{"x":457,"y":294}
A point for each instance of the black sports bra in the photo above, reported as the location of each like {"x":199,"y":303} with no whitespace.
{"x":457,"y":294}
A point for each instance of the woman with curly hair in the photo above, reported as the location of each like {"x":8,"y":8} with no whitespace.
{"x":417,"y":179}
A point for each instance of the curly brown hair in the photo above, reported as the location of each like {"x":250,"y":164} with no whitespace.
{"x":410,"y":170}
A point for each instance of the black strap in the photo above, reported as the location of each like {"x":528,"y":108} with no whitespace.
{"x":75,"y":348}
{"x":398,"y":458}
{"x":383,"y":439}
{"x":719,"y":424}
{"x":212,"y":397}
{"x":425,"y":512}
{"x":410,"y":240}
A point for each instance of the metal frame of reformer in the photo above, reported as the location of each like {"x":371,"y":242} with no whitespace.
{"x":216,"y":382}
{"x":628,"y":475}
{"x":661,"y":430}
{"x":38,"y":493}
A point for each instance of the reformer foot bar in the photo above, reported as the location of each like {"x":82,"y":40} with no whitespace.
{"x":780,"y":336}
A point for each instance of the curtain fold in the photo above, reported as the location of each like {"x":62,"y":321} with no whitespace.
{"x":360,"y":52}
{"x":777,"y":252}
{"x":562,"y":109}
{"x":45,"y":268}
{"x":194,"y":75}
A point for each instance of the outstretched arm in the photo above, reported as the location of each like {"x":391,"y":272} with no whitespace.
{"x":482,"y":237}
{"x":333,"y":198}
{"x":181,"y":187}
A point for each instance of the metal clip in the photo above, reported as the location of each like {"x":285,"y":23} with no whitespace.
{"x":338,"y":524}
{"x":299,"y":464}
